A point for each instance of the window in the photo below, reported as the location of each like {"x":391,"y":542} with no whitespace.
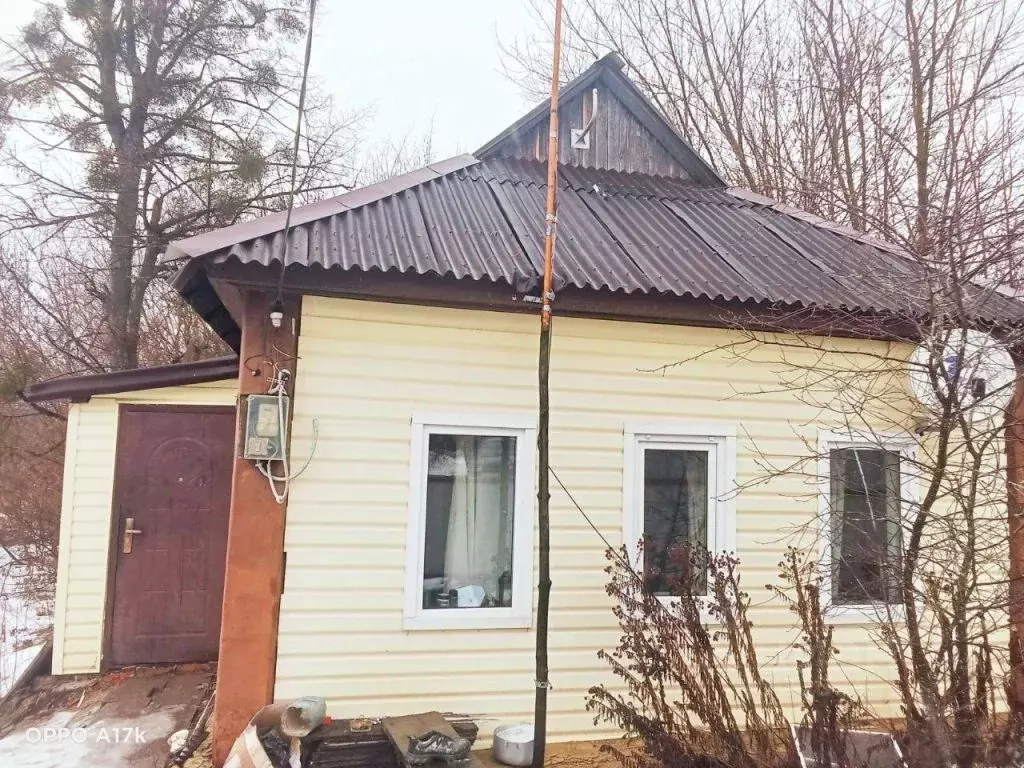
{"x":471,"y":507}
{"x":679,"y":483}
{"x":865,"y":487}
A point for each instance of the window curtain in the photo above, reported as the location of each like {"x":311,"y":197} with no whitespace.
{"x":469,"y":516}
{"x":476,"y":545}
{"x":697,"y":501}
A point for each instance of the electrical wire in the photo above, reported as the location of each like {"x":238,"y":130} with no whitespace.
{"x":615,"y":552}
{"x":279,"y":387}
{"x":295,"y":149}
{"x":619,"y":558}
{"x":580,"y":509}
{"x":279,"y":384}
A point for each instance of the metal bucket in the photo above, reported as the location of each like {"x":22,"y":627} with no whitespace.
{"x":513,"y":744}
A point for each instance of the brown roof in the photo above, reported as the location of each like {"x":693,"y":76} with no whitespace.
{"x":480,"y":220}
{"x":617,"y":231}
{"x":79,"y":389}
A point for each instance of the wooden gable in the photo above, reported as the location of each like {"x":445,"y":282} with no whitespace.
{"x":627,"y":133}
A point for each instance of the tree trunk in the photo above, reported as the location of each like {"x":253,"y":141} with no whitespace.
{"x":540,"y":709}
{"x":124,"y":338}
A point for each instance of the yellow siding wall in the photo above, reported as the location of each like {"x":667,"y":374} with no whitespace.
{"x":86,"y":516}
{"x":366,"y":368}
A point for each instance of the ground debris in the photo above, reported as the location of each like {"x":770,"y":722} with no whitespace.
{"x":202,"y":757}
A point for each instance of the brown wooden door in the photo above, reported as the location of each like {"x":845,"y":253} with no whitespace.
{"x":173,"y":480}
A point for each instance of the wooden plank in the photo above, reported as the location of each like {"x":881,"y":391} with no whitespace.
{"x":400,"y":729}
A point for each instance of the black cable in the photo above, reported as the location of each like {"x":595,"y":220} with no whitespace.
{"x":578,"y":507}
{"x":615,"y":552}
{"x":295,"y":155}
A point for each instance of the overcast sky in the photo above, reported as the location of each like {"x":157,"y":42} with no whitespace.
{"x":416,"y":63}
{"x":423,"y":60}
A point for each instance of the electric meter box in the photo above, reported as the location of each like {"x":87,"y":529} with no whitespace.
{"x":263,"y":427}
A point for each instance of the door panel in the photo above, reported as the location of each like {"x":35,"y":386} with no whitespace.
{"x":173,"y":482}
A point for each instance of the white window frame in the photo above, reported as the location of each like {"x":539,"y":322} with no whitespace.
{"x":720,"y":442}
{"x":520,"y":613}
{"x":910,"y":496}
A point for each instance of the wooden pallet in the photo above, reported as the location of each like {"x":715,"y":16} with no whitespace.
{"x":400,"y":729}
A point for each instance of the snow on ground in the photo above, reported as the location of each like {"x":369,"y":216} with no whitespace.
{"x":13,"y":664}
{"x":18,"y":620}
{"x":63,"y":741}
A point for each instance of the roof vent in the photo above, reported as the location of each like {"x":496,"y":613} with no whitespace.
{"x":579,"y":138}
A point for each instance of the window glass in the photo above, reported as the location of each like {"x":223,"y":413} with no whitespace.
{"x":865,"y":525}
{"x":470,"y":507}
{"x":675,"y":505}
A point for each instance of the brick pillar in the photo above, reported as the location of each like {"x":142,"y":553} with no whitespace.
{"x":252,"y":585}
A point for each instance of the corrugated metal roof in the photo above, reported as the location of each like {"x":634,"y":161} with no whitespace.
{"x":616,"y":231}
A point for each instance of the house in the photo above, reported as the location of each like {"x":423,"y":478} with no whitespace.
{"x":397,"y":575}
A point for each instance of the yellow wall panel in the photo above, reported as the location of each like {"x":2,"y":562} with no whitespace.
{"x":366,"y":368}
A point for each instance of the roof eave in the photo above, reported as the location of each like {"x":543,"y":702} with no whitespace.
{"x":80,"y":388}
{"x":194,"y":286}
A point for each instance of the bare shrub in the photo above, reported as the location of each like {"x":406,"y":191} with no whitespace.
{"x":683,"y":698}
{"x":694,"y":690}
{"x":828,"y":713}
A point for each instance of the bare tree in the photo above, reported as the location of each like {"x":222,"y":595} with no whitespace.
{"x":898,"y":118}
{"x":31,"y":463}
{"x":396,"y":156}
{"x":130,"y":124}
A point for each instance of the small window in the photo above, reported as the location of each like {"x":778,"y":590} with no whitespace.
{"x":471,"y":523}
{"x":677,"y":487}
{"x":678,"y":495}
{"x":865,"y":525}
{"x":868,"y":488}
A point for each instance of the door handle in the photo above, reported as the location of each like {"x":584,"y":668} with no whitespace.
{"x":130,"y":532}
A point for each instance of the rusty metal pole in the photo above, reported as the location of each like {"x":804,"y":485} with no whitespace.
{"x":540,"y":709}
{"x":1014,"y":436}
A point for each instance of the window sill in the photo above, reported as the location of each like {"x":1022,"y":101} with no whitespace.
{"x":467,"y":618}
{"x":864,"y":614}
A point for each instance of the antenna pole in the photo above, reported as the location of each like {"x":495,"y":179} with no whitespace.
{"x":540,"y":709}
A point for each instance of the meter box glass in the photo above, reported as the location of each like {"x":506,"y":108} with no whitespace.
{"x":263,"y":427}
